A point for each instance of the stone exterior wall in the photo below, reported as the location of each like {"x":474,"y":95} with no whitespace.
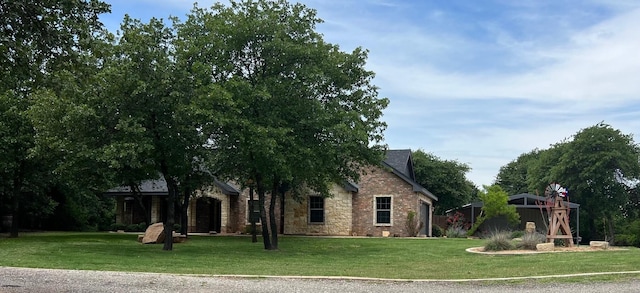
{"x":337,"y":215}
{"x":155,"y":209}
{"x":156,"y":206}
{"x":225,"y":210}
{"x":378,"y":181}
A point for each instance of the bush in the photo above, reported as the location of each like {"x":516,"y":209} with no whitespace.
{"x":141,"y":227}
{"x":499,"y":241}
{"x":530,"y":240}
{"x":247,"y":230}
{"x":456,"y":232}
{"x":517,"y":234}
{"x":413,"y":225}
{"x":437,"y":231}
{"x":627,"y":240}
{"x":117,"y":227}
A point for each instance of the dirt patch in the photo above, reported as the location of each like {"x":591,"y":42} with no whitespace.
{"x":480,"y":250}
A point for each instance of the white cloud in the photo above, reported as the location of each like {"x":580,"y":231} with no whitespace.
{"x":505,"y":79}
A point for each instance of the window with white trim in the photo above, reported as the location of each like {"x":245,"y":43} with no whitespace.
{"x":383,"y":210}
{"x":316,"y":210}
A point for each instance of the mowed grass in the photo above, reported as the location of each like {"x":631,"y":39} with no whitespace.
{"x":401,"y":258}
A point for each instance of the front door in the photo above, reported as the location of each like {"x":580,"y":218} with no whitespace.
{"x":424,"y":215}
{"x":208,"y":215}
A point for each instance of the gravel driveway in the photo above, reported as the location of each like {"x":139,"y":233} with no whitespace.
{"x":46,"y":280}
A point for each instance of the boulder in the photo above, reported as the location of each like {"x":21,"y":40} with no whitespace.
{"x":545,"y":246}
{"x":531,"y":227}
{"x":154,"y":234}
{"x":599,"y":244}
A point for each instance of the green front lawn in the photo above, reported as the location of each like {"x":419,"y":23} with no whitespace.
{"x":301,"y":256}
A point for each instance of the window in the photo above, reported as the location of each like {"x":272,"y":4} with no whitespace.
{"x":383,"y":210}
{"x":253,"y":210}
{"x":316,"y":209}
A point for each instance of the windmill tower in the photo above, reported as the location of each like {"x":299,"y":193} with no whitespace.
{"x":559,"y":220}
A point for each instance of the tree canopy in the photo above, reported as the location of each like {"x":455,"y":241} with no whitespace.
{"x":514,"y":177}
{"x":305,"y":113}
{"x":495,"y":203}
{"x":445,"y":178}
{"x":38,"y":40}
{"x":248,"y":92}
{"x":599,"y":165}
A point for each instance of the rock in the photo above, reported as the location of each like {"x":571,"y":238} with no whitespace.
{"x":154,"y":234}
{"x":599,"y":244}
{"x":531,"y":227}
{"x":545,"y":246}
{"x":179,"y":238}
{"x":140,"y":237}
{"x":385,"y":233}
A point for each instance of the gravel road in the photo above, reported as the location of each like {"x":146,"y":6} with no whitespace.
{"x":13,"y":280}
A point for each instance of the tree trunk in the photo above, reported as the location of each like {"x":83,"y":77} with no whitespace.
{"x":282,"y":213}
{"x":171,"y":212}
{"x":184,"y":208}
{"x":15,"y":215}
{"x":137,"y":195}
{"x":593,"y":232}
{"x":263,"y":215}
{"x":273,"y":225}
{"x":252,"y":217}
{"x":15,"y":207}
{"x":611,"y":231}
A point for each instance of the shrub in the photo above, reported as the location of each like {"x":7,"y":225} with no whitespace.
{"x":499,"y":241}
{"x":530,"y":240}
{"x":456,"y":232}
{"x":517,"y":234}
{"x":247,"y":230}
{"x":141,"y":227}
{"x":412,"y":224}
{"x":437,"y":231}
{"x":627,"y":240}
{"x":456,"y":220}
{"x":120,"y":226}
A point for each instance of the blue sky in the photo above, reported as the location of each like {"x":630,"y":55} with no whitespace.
{"x":481,"y":82}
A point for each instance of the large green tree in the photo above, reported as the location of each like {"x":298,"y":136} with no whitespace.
{"x":514,"y":176}
{"x":445,"y":178}
{"x":37,"y":39}
{"x":146,"y":116}
{"x":597,"y":167}
{"x":495,"y":203}
{"x":305,"y":113}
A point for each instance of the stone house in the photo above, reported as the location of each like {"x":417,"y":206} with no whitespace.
{"x":377,"y":206}
{"x":217,"y":209}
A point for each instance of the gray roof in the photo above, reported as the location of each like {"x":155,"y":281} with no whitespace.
{"x":399,"y":161}
{"x":159,"y":187}
{"x":149,"y":187}
{"x":522,"y":200}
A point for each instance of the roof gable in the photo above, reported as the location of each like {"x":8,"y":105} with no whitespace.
{"x":401,"y":161}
